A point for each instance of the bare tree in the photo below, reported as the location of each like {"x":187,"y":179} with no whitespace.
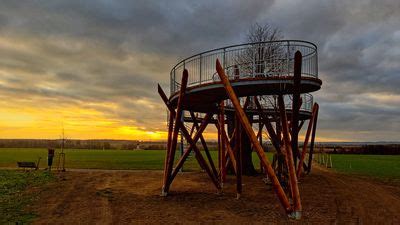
{"x":265,"y":56}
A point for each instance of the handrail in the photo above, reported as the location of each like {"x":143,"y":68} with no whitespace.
{"x":268,"y":59}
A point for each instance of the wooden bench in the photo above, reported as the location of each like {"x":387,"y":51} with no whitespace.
{"x":31,"y":165}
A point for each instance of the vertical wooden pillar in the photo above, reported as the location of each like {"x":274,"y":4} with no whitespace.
{"x":312,"y":141}
{"x":167,"y":152}
{"x":223,"y":143}
{"x":289,"y":159}
{"x":239,"y":150}
{"x":219,"y":146}
{"x":260,"y":128}
{"x":303,"y":153}
{"x":296,"y":105}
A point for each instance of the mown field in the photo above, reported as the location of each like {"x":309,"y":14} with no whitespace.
{"x":381,"y":166}
{"x":385,"y":166}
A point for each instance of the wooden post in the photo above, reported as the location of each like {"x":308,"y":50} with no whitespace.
{"x":312,"y":141}
{"x":303,"y":153}
{"x":223,"y":144}
{"x":238,"y":160}
{"x":289,"y":159}
{"x":296,"y":105}
{"x":249,"y":130}
{"x":170,"y":128}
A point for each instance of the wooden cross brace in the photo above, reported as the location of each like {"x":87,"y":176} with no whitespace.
{"x":172,"y":142}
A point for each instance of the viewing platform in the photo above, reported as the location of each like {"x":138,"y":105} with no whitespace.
{"x":254,"y":69}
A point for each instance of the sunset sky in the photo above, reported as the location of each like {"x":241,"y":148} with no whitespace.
{"x":92,"y":67}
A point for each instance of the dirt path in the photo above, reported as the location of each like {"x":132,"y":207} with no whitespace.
{"x":98,"y":197}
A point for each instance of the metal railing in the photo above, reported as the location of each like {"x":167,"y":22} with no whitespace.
{"x":270,"y":102}
{"x":252,"y":60}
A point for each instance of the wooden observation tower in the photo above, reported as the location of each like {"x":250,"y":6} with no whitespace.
{"x":245,"y":90}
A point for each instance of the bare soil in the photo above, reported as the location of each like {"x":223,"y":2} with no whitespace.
{"x":133,"y":197}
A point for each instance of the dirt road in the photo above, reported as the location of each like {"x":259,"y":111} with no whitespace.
{"x":119,"y":197}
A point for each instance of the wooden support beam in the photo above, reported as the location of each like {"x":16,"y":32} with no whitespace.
{"x":220,"y":146}
{"x":296,"y":105}
{"x":268,"y":125}
{"x":238,"y":159}
{"x":193,"y":127}
{"x":204,"y":144}
{"x":249,"y":130}
{"x":170,"y":128}
{"x":310,"y":155}
{"x":178,"y":115}
{"x":189,"y":139}
{"x":201,"y":160}
{"x":229,"y":150}
{"x":303,"y":153}
{"x":301,"y":124}
{"x":183,"y":158}
{"x":223,"y":142}
{"x":289,"y":159}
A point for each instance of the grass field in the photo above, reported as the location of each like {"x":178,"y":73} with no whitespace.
{"x":14,"y":199}
{"x":386,"y":166}
{"x":99,"y":159}
{"x":382,"y":166}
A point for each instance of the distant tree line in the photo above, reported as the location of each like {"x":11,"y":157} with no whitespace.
{"x":379,"y":149}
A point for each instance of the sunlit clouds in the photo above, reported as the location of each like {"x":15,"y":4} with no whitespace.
{"x":92,"y":67}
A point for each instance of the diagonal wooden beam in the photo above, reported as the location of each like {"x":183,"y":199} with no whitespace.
{"x":186,"y":153}
{"x":301,"y":124}
{"x":229,"y":150}
{"x":289,"y":158}
{"x":189,"y":139}
{"x":268,"y":125}
{"x":249,"y":130}
{"x":303,"y":153}
{"x":204,"y":144}
{"x":200,"y":159}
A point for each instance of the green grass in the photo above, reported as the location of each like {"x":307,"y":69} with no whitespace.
{"x":13,"y":197}
{"x":380,"y":166}
{"x":99,"y":159}
{"x":386,"y":166}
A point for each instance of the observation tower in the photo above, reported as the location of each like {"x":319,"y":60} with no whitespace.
{"x":246,"y":90}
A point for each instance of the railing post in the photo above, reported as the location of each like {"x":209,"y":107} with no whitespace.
{"x":288,"y":58}
{"x":254,"y":61}
{"x":224,"y":63}
{"x":200,"y":67}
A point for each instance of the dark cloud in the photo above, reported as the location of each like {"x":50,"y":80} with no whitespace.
{"x":81,"y":52}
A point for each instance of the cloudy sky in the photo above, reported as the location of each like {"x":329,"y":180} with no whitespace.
{"x":92,"y":67}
